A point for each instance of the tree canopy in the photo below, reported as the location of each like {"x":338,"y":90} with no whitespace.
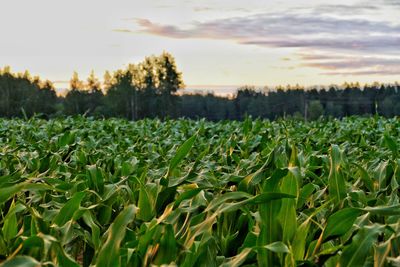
{"x":150,"y":89}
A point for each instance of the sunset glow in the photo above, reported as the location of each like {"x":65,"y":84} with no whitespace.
{"x":231,"y":43}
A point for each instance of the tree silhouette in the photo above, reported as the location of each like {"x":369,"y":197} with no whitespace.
{"x":151,"y":88}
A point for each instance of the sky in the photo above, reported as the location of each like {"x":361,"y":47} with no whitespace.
{"x":218,"y":45}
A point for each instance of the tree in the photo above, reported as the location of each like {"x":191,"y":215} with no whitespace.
{"x":22,"y":95}
{"x":93,"y":84}
{"x":74,"y":100}
{"x":108,"y":81}
{"x":315,"y":110}
{"x":93,"y":95}
{"x":75,"y":83}
{"x":170,"y":81}
{"x":387,"y":107}
{"x":48,"y":98}
{"x":5,"y":94}
{"x":119,"y":96}
{"x":148,"y":82}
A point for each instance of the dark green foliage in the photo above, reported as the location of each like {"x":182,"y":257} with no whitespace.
{"x":152,"y":89}
{"x":21,"y":95}
{"x":81,"y":192}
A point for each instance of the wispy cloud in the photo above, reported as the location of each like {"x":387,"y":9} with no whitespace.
{"x":381,"y":71}
{"x":368,"y":41}
{"x":354,"y":63}
{"x":163,"y":30}
{"x":289,"y":30}
{"x":345,"y":9}
{"x":393,"y":2}
{"x":218,"y":9}
{"x":367,"y":44}
{"x":122,"y":30}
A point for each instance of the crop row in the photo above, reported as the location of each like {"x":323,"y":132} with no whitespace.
{"x":85,"y":192}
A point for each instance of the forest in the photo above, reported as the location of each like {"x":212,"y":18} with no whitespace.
{"x":154,"y":88}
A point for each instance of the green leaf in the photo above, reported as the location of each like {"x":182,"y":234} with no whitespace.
{"x":384,"y":210}
{"x":96,"y":177}
{"x":146,"y":202}
{"x":305,"y":193}
{"x":391,"y":144}
{"x":21,"y":261}
{"x":168,"y":247}
{"x":299,"y":240}
{"x":67,"y":211}
{"x":365,"y":177}
{"x":337,"y":188}
{"x":88,"y":218}
{"x":266,"y":197}
{"x":277,"y":247}
{"x":287,"y":214}
{"x":63,"y":258}
{"x":186,"y":195}
{"x":256,"y":177}
{"x":181,"y":153}
{"x":109,"y":254}
{"x":215,"y":203}
{"x":340,"y":222}
{"x":270,"y":227}
{"x":8,"y":192}
{"x":237,"y":260}
{"x":10,"y":226}
{"x":360,"y":248}
{"x":381,"y":253}
{"x":259,"y":199}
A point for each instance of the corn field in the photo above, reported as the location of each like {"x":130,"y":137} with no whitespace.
{"x":86,"y":192}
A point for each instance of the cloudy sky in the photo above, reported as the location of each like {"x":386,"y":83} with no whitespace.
{"x":217,"y":44}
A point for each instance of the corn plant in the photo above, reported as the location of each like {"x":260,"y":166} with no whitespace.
{"x":86,"y":192}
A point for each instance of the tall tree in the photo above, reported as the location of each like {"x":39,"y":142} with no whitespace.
{"x":93,"y":95}
{"x":5,"y":94}
{"x":74,"y":100}
{"x":170,"y":81}
{"x":119,"y":96}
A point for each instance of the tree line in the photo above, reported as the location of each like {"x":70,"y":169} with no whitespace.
{"x":151,"y":89}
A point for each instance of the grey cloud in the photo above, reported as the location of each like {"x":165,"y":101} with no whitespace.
{"x":202,"y":9}
{"x":305,"y":56}
{"x":367,"y":44}
{"x":345,"y":9}
{"x":162,"y":30}
{"x":289,"y":31}
{"x":345,"y":64}
{"x":354,"y":63}
{"x":331,"y":36}
{"x":393,"y":2}
{"x":365,"y":72}
{"x":209,"y":8}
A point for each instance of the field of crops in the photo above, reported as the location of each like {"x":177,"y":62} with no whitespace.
{"x":85,"y":192}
